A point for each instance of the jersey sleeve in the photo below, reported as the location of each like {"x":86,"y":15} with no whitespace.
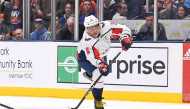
{"x":120,"y":30}
{"x":106,"y":30}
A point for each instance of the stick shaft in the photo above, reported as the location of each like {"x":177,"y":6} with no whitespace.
{"x":5,"y":106}
{"x":92,"y":86}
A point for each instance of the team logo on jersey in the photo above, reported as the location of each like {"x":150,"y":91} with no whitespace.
{"x":67,"y":66}
{"x":88,"y":50}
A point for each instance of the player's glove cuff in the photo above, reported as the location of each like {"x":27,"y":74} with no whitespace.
{"x":103,"y":68}
{"x":126,"y":42}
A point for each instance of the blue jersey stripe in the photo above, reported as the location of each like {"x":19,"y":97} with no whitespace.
{"x":85,"y":64}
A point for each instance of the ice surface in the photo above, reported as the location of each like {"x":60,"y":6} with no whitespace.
{"x":52,"y":103}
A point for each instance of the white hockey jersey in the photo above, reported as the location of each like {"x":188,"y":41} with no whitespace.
{"x":92,"y":50}
{"x":96,"y":48}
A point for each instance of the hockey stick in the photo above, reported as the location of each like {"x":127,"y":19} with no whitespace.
{"x":94,"y":83}
{"x":5,"y":106}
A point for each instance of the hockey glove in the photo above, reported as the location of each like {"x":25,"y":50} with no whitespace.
{"x":103,"y":68}
{"x":126,"y":42}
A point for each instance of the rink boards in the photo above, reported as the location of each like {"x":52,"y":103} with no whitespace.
{"x":155,"y":72}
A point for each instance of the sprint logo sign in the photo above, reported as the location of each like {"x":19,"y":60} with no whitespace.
{"x":67,"y":66}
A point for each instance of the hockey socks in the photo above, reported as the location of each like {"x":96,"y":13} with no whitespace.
{"x":97,"y":93}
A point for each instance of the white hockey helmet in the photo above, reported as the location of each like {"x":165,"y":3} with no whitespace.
{"x":90,"y":21}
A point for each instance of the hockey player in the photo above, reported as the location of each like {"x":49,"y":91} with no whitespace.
{"x":93,"y":47}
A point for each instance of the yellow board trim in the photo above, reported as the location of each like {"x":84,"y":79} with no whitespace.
{"x":78,"y":93}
